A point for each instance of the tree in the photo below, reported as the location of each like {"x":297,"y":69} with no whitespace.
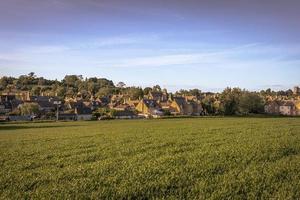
{"x":29,"y":109}
{"x":5,"y":81}
{"x":85,"y":94}
{"x":36,"y":90}
{"x":93,"y":87}
{"x":60,"y":91}
{"x":71,"y":80}
{"x":32,"y":75}
{"x":42,"y":81}
{"x":135,"y":93}
{"x":195,"y":92}
{"x":121,"y":85}
{"x":230,"y":100}
{"x":70,"y":92}
{"x":208,"y":104}
{"x":147,"y":90}
{"x":104,"y":92}
{"x":251,"y":102}
{"x":157,"y":88}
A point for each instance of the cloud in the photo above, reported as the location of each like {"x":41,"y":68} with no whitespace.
{"x":46,"y":49}
{"x":213,"y":57}
{"x":120,"y":40}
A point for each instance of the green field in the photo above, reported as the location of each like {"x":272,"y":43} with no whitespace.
{"x":200,"y":158}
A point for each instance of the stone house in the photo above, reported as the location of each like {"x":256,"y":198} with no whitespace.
{"x":272,"y":108}
{"x":288,"y":108}
{"x":149,"y":107}
{"x":158,"y":96}
{"x":181,"y":107}
{"x":83,"y":113}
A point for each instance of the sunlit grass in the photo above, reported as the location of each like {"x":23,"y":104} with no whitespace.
{"x":217,"y":158}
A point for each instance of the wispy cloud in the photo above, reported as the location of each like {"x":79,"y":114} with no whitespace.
{"x":213,"y":57}
{"x":46,"y":49}
{"x":120,"y":40}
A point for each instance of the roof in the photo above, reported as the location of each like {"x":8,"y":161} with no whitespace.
{"x":287,"y":103}
{"x":156,"y":94}
{"x":150,"y":103}
{"x":104,"y":100}
{"x":40,"y":98}
{"x":273,"y":103}
{"x":83,"y":111}
{"x":45,"y":104}
{"x":7,"y":105}
{"x":180,"y":101}
{"x":8,"y":97}
{"x":15,"y":103}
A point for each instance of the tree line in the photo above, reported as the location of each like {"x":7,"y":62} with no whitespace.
{"x":230,"y":101}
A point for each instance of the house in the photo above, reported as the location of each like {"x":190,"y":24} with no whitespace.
{"x":5,"y":107}
{"x":158,"y":96}
{"x":67,"y":116}
{"x":149,"y":107}
{"x":7,"y":97}
{"x":20,"y":118}
{"x":4,"y":118}
{"x":191,"y":98}
{"x":122,"y":107}
{"x":16,"y":103}
{"x":132,"y":103}
{"x":117,"y":98}
{"x":197,"y":107}
{"x":125,"y":114}
{"x":103,"y":101}
{"x":297,"y":104}
{"x":272,"y":108}
{"x":181,"y":106}
{"x":296,"y":90}
{"x":39,"y":98}
{"x":46,"y":106}
{"x":288,"y":108}
{"x":184,"y":106}
{"x":165,"y":105}
{"x":83,"y":113}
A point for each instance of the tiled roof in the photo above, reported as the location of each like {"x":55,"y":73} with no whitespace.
{"x":150,"y":103}
{"x":180,"y":101}
{"x":84,"y":111}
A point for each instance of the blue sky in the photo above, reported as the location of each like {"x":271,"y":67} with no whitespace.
{"x":206,"y":44}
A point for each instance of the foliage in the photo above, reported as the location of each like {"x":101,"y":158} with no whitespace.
{"x":36,"y":90}
{"x":230,"y":100}
{"x":251,"y":103}
{"x":147,"y":90}
{"x":207,"y":158}
{"x":105,"y":92}
{"x":237,"y":101}
{"x":135,"y":93}
{"x":193,"y":92}
{"x":15,"y":112}
{"x":29,"y":108}
{"x":101,"y":112}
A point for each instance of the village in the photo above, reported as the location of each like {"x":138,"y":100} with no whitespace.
{"x":156,"y":104}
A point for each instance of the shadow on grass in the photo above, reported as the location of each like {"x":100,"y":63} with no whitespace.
{"x":18,"y":127}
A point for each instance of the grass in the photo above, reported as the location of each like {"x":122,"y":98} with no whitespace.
{"x":201,"y":158}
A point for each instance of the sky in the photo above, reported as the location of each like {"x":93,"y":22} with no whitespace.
{"x":205,"y":44}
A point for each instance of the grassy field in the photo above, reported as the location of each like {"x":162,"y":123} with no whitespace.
{"x":201,"y":158}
